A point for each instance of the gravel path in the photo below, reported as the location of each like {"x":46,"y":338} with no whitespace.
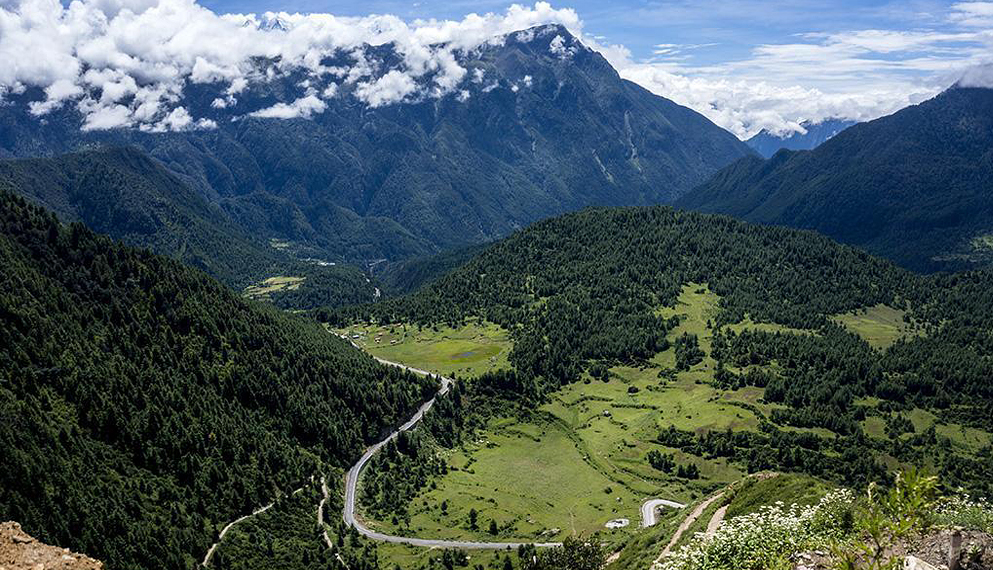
{"x":687,"y":522}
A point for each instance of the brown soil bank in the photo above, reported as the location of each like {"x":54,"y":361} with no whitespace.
{"x":929,"y":552}
{"x":21,"y":551}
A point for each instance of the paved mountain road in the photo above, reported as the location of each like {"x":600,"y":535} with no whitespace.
{"x":649,"y":510}
{"x":352,"y":480}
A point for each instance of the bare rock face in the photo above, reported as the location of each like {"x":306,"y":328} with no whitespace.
{"x":21,"y":551}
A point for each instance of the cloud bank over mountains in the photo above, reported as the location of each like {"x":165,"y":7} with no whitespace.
{"x":126,"y":63}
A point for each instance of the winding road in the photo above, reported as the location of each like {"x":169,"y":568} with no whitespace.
{"x":352,"y":481}
{"x":648,"y":508}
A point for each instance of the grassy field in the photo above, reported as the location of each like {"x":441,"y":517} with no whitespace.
{"x":467,"y":351}
{"x":880,"y":326}
{"x":278,"y":284}
{"x":584,"y":461}
{"x":969,"y":439}
{"x":790,"y":488}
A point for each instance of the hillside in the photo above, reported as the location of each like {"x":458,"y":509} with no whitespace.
{"x":123,"y":193}
{"x":540,"y":125}
{"x":20,"y":551}
{"x":145,"y":404}
{"x":751,"y":312}
{"x":913,"y":187}
{"x":814,"y":135}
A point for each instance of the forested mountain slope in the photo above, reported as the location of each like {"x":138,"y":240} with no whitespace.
{"x":915,"y":187}
{"x":144,"y":403}
{"x":583,"y":292}
{"x":540,"y":125}
{"x":125,"y":194}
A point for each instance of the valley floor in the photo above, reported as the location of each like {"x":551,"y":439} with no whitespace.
{"x":580,"y":462}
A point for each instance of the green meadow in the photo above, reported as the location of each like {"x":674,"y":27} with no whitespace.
{"x":581,"y":460}
{"x":467,"y":351}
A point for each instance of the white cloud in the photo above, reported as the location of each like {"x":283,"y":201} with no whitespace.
{"x":857,"y":75}
{"x":55,"y":94}
{"x":179,"y":119}
{"x":979,"y":76}
{"x":126,"y":62}
{"x":107,"y":117}
{"x":303,"y":107}
{"x":559,"y":48}
{"x":973,"y":14}
{"x":390,"y":88}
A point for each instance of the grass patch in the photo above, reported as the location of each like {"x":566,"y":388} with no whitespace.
{"x":475,"y":348}
{"x":531,"y":479}
{"x":790,"y":488}
{"x":268,"y":287}
{"x":880,"y":326}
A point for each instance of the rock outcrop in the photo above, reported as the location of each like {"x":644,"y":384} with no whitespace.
{"x":21,"y":551}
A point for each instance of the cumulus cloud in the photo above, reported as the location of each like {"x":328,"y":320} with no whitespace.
{"x":303,"y":107}
{"x":55,"y":94}
{"x":126,"y":63}
{"x":390,"y":88}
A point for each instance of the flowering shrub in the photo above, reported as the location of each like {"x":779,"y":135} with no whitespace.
{"x":965,"y":512}
{"x":767,"y":538}
{"x":860,"y":534}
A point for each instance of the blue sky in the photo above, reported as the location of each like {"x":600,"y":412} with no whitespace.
{"x":727,"y":29}
{"x":734,"y":61}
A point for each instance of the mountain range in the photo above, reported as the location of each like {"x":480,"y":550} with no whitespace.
{"x":768,"y":143}
{"x":790,"y":313}
{"x":915,"y":187}
{"x":545,"y":125}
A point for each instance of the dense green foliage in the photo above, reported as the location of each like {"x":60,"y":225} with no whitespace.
{"x":688,"y":352}
{"x":285,"y":537}
{"x":574,"y":554}
{"x":913,"y":187}
{"x":123,"y":193}
{"x":397,"y":473}
{"x":401,"y":181}
{"x":288,"y":537}
{"x":585,"y":286}
{"x":408,"y":276}
{"x":332,"y":286}
{"x":144,"y":404}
